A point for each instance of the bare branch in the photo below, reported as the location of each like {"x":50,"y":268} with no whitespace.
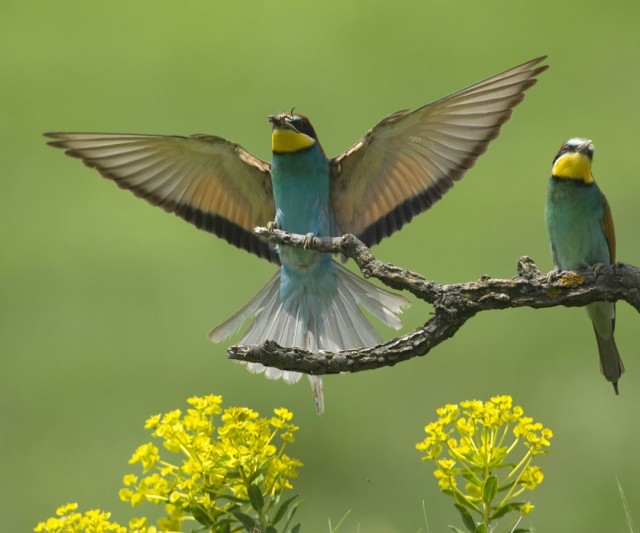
{"x":453,"y":304}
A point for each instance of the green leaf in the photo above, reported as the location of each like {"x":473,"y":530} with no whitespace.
{"x":290,"y":513}
{"x":255,"y":475}
{"x":231,"y":498}
{"x":514,"y":506}
{"x":482,"y":528}
{"x":201,"y":515}
{"x":255,"y":497}
{"x":467,"y":519}
{"x":248,"y":522}
{"x":625,"y":505}
{"x":456,"y":529}
{"x":490,"y":489}
{"x":523,"y":530}
{"x":270,"y":529}
{"x":506,"y":487}
{"x":339,"y":524}
{"x":460,"y":499}
{"x":296,"y":528}
{"x":472,"y":477}
{"x":283,"y":509}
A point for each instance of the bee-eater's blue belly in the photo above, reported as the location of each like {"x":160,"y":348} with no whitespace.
{"x":301,"y":193}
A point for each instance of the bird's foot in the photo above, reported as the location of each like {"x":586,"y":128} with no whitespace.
{"x":551,"y":276}
{"x":308,"y":240}
{"x":271,"y":225}
{"x":597,"y":267}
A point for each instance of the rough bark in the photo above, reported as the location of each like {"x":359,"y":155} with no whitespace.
{"x":453,"y":304}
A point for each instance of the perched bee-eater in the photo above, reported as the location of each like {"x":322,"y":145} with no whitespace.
{"x":581,"y":232}
{"x":398,"y":169}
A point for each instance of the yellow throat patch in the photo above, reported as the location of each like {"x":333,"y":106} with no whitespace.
{"x":286,"y":140}
{"x":573,"y":165}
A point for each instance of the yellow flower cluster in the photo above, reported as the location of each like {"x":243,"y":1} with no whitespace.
{"x":230,"y":474}
{"x":232,"y":462}
{"x":69,"y":520}
{"x":480,"y":439}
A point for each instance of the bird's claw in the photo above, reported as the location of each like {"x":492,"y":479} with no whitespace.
{"x":308,"y":240}
{"x":553,"y":274}
{"x":271,"y":225}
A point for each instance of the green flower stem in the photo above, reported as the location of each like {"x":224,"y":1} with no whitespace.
{"x":511,"y":494}
{"x":505,"y":432}
{"x":464,"y":464}
{"x":466,"y":499}
{"x":513,"y":445}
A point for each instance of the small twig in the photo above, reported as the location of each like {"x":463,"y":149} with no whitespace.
{"x":453,"y":304}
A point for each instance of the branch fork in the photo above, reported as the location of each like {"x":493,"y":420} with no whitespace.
{"x":453,"y":304}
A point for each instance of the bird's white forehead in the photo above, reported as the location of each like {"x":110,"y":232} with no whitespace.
{"x":579,"y":141}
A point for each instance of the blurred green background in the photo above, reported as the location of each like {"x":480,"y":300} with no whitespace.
{"x":106,"y":302}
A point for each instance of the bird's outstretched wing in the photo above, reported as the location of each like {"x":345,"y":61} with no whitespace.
{"x":407,"y":161}
{"x":211,"y":182}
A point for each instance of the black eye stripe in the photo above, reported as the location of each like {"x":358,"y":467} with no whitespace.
{"x":303,"y":126}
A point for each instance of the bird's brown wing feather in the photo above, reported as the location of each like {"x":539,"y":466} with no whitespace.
{"x":609,"y":232}
{"x":409,"y":160}
{"x":208,"y":181}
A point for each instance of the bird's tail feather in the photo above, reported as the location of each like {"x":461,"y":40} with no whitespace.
{"x":603,"y":316}
{"x":610,"y":361}
{"x":270,"y":321}
{"x":265,"y":298}
{"x":383,"y":304}
{"x":330,"y":324}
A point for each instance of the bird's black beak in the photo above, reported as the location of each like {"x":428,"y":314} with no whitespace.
{"x":586,"y":148}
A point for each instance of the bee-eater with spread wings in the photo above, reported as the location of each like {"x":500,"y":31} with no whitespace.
{"x":403,"y":165}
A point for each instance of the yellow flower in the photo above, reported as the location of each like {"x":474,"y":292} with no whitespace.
{"x":225,"y":463}
{"x":531,"y":477}
{"x":445,"y":481}
{"x":130,"y":479}
{"x":218,"y":454}
{"x":448,"y":413}
{"x":139,"y":525}
{"x":69,"y":521}
{"x":125,"y":494}
{"x":64,"y":510}
{"x":446,"y":465}
{"x":146,"y":454}
{"x":472,"y":408}
{"x":461,"y":448}
{"x":466,"y":427}
{"x":488,"y":445}
{"x":283,"y":414}
{"x":527,"y":508}
{"x":152,"y":422}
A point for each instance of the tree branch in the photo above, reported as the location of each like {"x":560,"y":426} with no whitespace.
{"x":453,"y":304}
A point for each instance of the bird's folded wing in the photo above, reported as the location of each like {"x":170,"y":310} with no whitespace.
{"x":609,"y":232}
{"x":208,"y":181}
{"x":407,"y":161}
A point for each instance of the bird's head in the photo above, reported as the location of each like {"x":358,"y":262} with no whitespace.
{"x":573,"y":161}
{"x":292,"y":132}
